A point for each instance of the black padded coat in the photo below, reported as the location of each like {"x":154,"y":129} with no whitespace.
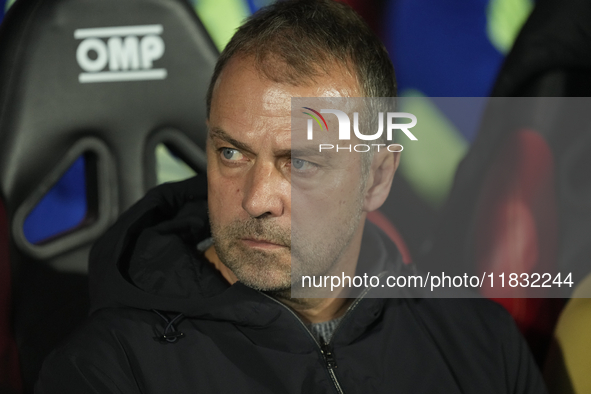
{"x":163,"y":320}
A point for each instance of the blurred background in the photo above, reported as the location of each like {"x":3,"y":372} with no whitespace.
{"x":453,"y":48}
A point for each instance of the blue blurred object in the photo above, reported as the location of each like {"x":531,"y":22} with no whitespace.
{"x":451,"y":48}
{"x":255,"y":5}
{"x":441,"y":47}
{"x":63,"y":208}
{"x":2,"y":9}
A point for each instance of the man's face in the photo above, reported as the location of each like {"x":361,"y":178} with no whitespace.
{"x":253,"y":177}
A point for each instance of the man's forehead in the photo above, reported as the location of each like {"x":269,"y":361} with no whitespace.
{"x":250,"y":107}
{"x":240,"y":78}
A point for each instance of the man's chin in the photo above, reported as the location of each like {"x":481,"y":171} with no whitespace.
{"x":280,"y":294}
{"x":263,"y":274}
{"x":258,"y":268}
{"x":266,"y":287}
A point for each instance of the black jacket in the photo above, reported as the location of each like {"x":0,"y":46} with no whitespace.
{"x":165,"y":321}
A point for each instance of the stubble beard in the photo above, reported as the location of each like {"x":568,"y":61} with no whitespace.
{"x":319,"y":257}
{"x":275,"y":271}
{"x":263,"y":270}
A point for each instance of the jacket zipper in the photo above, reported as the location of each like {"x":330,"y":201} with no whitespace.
{"x":326,"y":348}
{"x":329,"y":366}
{"x":327,"y":353}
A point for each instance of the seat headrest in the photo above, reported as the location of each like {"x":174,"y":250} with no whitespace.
{"x":116,"y":69}
{"x":113,"y":77}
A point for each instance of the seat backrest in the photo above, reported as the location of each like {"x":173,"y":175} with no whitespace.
{"x":94,"y":87}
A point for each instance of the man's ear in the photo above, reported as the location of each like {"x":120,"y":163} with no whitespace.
{"x":379,"y":180}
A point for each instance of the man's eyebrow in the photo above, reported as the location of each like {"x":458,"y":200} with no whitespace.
{"x":216,"y":132}
{"x":308,"y":151}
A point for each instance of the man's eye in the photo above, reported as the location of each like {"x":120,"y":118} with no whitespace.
{"x":231,"y":154}
{"x":301,"y":165}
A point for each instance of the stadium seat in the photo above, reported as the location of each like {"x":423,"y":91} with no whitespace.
{"x":90,"y":90}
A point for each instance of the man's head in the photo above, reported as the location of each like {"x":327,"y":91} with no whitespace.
{"x":291,"y":49}
{"x":294,"y":42}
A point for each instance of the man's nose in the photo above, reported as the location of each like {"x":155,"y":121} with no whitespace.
{"x":266,"y":191}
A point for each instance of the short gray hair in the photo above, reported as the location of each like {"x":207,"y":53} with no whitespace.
{"x":295,"y":41}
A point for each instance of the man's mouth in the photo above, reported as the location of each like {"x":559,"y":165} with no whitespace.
{"x":261,"y":243}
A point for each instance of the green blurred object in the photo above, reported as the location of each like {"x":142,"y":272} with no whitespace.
{"x":8,"y":4}
{"x":221,"y":18}
{"x":170,"y":168}
{"x":429,"y":164}
{"x":504,"y":21}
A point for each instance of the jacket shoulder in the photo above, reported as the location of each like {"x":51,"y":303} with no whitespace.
{"x":478,"y":331}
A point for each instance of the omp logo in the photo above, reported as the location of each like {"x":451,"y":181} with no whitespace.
{"x":124,"y":53}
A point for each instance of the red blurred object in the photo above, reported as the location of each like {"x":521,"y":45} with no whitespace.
{"x":378,"y":218}
{"x":517,"y":229}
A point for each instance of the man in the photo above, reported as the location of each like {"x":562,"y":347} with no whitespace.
{"x":168,"y":318}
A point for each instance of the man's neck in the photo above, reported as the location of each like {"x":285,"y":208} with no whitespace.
{"x":310,"y":310}
{"x":315,"y":310}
